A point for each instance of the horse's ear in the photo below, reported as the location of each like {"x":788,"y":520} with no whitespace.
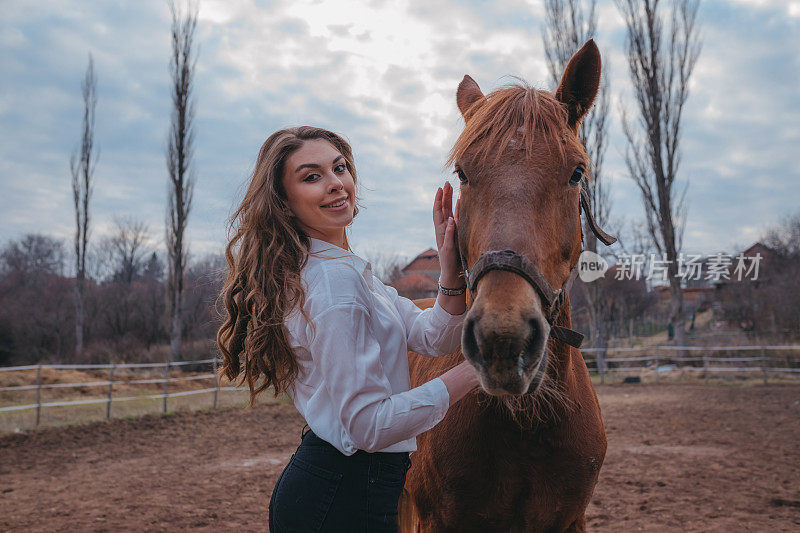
{"x":467,"y":95}
{"x":580,"y":82}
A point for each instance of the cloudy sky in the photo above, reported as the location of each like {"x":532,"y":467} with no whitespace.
{"x":384,"y":74}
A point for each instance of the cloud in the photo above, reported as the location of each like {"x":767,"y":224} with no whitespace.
{"x":382,"y":73}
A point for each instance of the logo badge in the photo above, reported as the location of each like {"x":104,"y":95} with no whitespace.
{"x":591,"y":266}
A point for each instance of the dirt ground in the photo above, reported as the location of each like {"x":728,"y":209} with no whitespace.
{"x":680,"y":458}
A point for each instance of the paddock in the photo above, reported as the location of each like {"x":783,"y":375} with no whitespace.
{"x":681,"y":457}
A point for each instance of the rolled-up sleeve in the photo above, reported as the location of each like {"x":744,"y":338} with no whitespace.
{"x":348,"y":355}
{"x":431,"y":331}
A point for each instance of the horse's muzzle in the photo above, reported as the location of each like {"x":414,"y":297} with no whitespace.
{"x":510,"y":358}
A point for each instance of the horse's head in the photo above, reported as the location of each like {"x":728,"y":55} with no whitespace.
{"x":521,"y":164}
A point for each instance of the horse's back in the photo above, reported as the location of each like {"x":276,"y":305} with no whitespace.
{"x":424,"y":303}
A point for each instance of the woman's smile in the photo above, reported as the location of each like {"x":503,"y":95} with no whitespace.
{"x":338,"y":205}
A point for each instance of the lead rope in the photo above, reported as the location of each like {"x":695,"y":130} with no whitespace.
{"x":461,"y":258}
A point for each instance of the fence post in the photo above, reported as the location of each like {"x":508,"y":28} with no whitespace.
{"x":656,"y":361}
{"x":705,"y":364}
{"x":601,"y":361}
{"x":216,"y":382}
{"x":38,"y":392}
{"x":166,"y":377}
{"x":110,"y":388}
{"x":764,"y":364}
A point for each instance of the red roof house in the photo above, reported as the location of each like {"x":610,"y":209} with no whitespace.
{"x":419,"y":279}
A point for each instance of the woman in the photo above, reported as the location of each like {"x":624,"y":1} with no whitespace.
{"x":307,"y":318}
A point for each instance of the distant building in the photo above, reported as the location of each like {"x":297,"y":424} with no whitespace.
{"x":425,"y":263}
{"x":420,"y":277}
{"x":765,"y":263}
{"x":699,"y":294}
{"x":759,"y":248}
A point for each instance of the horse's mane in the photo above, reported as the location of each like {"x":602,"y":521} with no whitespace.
{"x":515,"y":110}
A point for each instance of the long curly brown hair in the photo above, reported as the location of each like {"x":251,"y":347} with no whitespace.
{"x":265,"y":256}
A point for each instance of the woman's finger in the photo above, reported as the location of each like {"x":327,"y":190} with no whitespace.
{"x":449,"y":232}
{"x":447,"y":200}
{"x":448,"y":249}
{"x":438,"y":216}
{"x":449,"y":229}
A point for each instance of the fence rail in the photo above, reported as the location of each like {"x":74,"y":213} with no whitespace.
{"x":665,"y":359}
{"x":110,"y":382}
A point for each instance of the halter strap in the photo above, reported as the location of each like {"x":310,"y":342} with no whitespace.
{"x":511,"y":261}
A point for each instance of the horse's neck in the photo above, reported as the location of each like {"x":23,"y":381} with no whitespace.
{"x":561,"y":352}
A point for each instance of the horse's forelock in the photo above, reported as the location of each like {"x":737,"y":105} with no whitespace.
{"x":516,"y":113}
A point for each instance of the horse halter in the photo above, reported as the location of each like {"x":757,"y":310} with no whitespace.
{"x":511,"y":261}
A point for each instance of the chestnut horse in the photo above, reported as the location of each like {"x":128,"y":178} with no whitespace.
{"x":522,"y":452}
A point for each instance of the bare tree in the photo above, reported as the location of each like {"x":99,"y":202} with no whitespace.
{"x":778,"y":295}
{"x":35,"y":314}
{"x":660,"y":74}
{"x":153,"y":270}
{"x":127,"y":248}
{"x":569,"y":24}
{"x":205,"y":278}
{"x":180,"y":148}
{"x":82,"y":165}
{"x":32,"y":255}
{"x":153,"y":299}
{"x":387,"y":266}
{"x":784,"y":237}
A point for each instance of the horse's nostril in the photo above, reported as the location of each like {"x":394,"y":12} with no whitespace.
{"x":536,"y":332}
{"x":469,"y":342}
{"x":534,"y":343}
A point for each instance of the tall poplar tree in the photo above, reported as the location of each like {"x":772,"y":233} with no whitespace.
{"x":661,"y":59}
{"x":180,"y":150}
{"x":82,"y":165}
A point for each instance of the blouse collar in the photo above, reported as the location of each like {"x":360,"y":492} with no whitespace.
{"x":326,"y":250}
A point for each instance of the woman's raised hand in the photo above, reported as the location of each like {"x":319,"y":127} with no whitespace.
{"x":445,"y":226}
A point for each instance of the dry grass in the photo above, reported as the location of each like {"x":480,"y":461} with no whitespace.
{"x":21,"y":420}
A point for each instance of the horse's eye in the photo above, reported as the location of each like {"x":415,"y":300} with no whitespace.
{"x":577,"y":176}
{"x":461,"y":176}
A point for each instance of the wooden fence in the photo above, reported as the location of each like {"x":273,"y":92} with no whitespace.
{"x":768,"y":360}
{"x":109,"y":383}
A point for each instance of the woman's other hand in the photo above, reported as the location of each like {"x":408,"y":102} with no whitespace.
{"x":459,"y":380}
{"x":445,"y":226}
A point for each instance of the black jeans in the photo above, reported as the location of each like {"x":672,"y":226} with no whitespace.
{"x":322,"y":489}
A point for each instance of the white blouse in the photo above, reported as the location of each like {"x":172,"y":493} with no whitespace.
{"x":353,"y":385}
